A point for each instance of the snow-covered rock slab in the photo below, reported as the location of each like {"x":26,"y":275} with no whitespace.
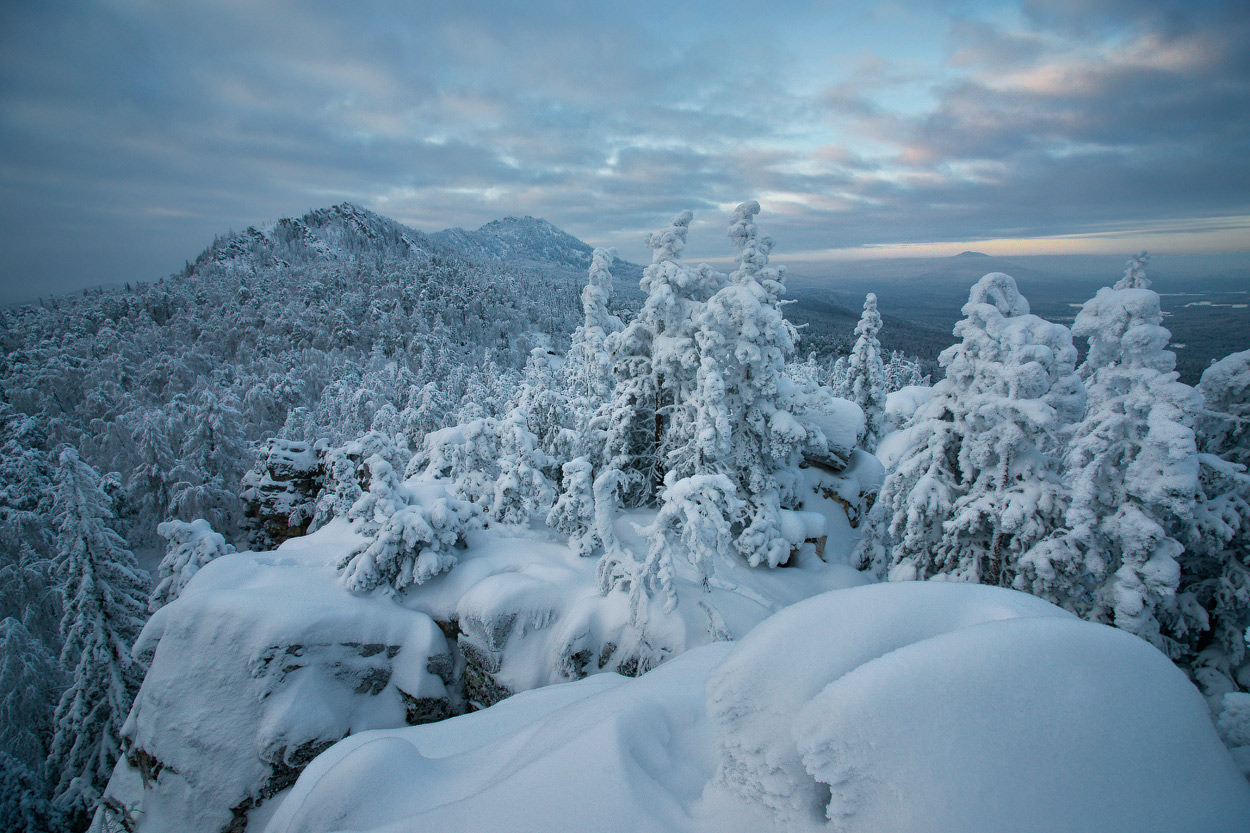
{"x":901,"y":707}
{"x":264,"y":662}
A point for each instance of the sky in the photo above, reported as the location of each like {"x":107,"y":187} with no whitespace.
{"x":133,"y":131}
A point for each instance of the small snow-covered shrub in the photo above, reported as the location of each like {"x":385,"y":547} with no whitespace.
{"x":413,"y":545}
{"x":191,"y":546}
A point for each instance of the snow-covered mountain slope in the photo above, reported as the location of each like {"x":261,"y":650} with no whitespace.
{"x":894,"y":708}
{"x":518,"y":239}
{"x":345,"y":231}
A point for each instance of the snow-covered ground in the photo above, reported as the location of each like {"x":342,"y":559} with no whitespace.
{"x":266,"y":658}
{"x":898,"y":707}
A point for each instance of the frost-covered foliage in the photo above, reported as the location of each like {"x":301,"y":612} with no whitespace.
{"x":1133,"y":469}
{"x":743,"y":333}
{"x":347,"y":472}
{"x":574,"y":511}
{"x":1224,"y":425}
{"x":697,"y":515}
{"x":105,"y":607}
{"x":211,"y":462}
{"x":24,"y":807}
{"x":191,"y":546}
{"x":981,"y":485}
{"x":587,"y":371}
{"x":30,"y":682}
{"x":1216,"y":564}
{"x":408,"y":541}
{"x":866,"y":373}
{"x":522,"y":489}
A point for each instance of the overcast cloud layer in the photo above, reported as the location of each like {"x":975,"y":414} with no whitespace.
{"x":134,"y":131}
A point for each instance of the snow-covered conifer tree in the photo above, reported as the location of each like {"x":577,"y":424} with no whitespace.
{"x":742,"y":330}
{"x":697,"y":517}
{"x":1132,"y":466}
{"x":1215,"y":568}
{"x":30,"y":682}
{"x":588,"y":369}
{"x":210,"y":467}
{"x":866,"y":373}
{"x":522,"y":488}
{"x":981,"y":486}
{"x":409,"y":542}
{"x":655,"y":362}
{"x":24,"y":808}
{"x":105,"y":606}
{"x":191,"y":546}
{"x":574,"y":511}
{"x":631,"y":453}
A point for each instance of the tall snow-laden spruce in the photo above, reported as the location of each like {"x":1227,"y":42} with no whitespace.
{"x":647,"y":366}
{"x":1215,"y":569}
{"x":1132,"y":466}
{"x":742,"y":330}
{"x":587,"y":371}
{"x":105,"y":607}
{"x":981,"y":484}
{"x":866,"y":373}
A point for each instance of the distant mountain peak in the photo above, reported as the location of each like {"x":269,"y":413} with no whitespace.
{"x":970,"y":254}
{"x":519,"y":238}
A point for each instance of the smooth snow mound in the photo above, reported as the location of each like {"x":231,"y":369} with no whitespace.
{"x":896,"y":707}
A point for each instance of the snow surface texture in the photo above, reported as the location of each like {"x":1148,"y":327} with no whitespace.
{"x":900,"y":707}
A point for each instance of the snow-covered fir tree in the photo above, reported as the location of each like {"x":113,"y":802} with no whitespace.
{"x":522,"y":488}
{"x":191,"y":546}
{"x":408,"y":541}
{"x":742,"y":330}
{"x":981,"y":484}
{"x":211,"y":463}
{"x":587,"y":371}
{"x":866,"y":372}
{"x":30,"y":682}
{"x":1132,"y":466}
{"x":573,"y":513}
{"x":105,"y":607}
{"x":1215,"y":568}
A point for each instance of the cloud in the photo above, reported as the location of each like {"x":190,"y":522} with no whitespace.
{"x":137,"y":130}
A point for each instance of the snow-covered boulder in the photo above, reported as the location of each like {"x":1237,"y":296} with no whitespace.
{"x":936,"y":706}
{"x":900,"y":707}
{"x":840,"y":421}
{"x":263,"y":662}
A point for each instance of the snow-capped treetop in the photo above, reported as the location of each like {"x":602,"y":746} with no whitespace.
{"x":753,"y":252}
{"x":1225,"y":389}
{"x":191,"y":546}
{"x":1135,"y":273}
{"x":667,"y":244}
{"x":597,"y":292}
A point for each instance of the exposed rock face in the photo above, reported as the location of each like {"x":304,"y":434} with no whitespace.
{"x":280,"y":492}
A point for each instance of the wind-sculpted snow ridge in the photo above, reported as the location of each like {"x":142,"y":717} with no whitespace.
{"x":893,"y":708}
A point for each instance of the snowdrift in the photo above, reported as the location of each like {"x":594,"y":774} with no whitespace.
{"x":900,"y":707}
